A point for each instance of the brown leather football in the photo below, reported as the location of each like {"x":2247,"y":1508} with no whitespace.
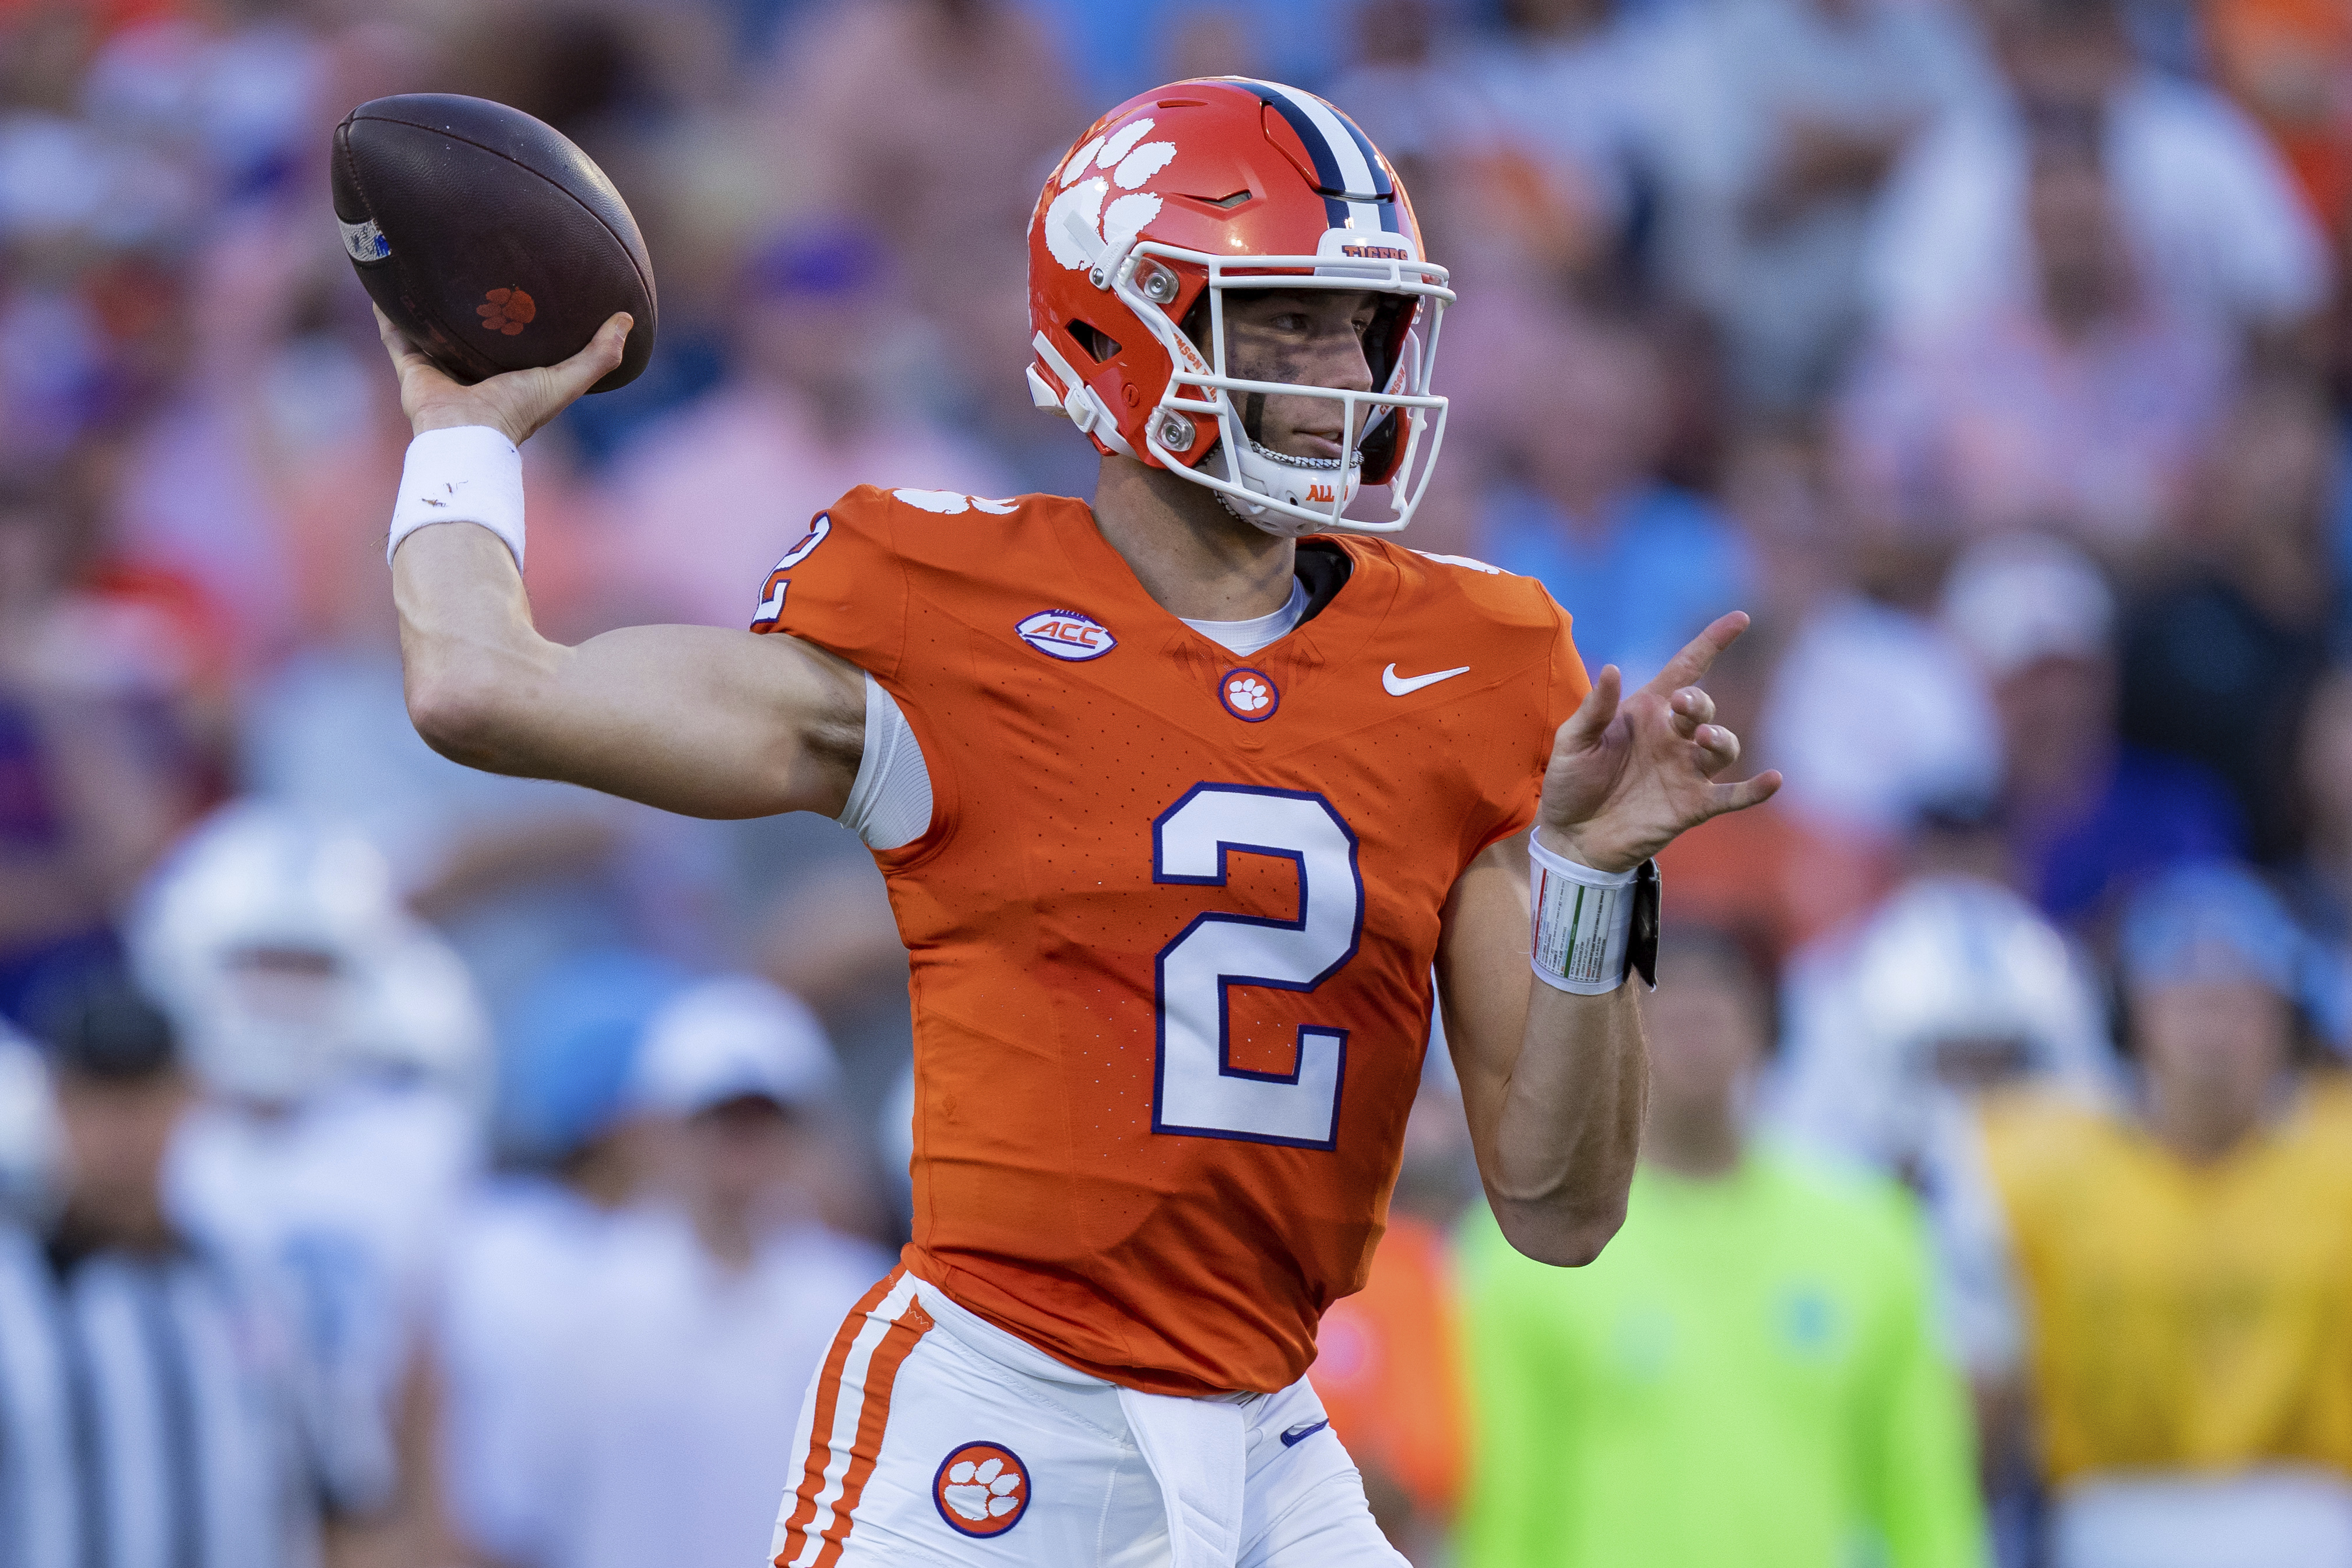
{"x":487,"y":236}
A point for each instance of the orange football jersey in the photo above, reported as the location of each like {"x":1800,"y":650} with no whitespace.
{"x":1172,"y":924}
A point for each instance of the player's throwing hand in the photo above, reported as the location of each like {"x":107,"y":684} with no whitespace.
{"x":1626,"y":776}
{"x":516,"y":403}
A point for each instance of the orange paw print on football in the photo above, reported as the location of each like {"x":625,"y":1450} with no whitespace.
{"x":509,"y":311}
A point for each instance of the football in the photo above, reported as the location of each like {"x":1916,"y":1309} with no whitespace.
{"x":487,"y":236}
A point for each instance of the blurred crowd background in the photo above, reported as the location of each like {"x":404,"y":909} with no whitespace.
{"x":405,"y":1165}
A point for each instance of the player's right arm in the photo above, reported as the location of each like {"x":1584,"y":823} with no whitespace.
{"x":695,"y":719}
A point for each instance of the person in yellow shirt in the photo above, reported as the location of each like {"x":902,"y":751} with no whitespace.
{"x":1750,"y":1377}
{"x":2186,"y":1261}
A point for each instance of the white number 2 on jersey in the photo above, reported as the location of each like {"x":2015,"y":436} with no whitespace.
{"x":1196,"y":1088}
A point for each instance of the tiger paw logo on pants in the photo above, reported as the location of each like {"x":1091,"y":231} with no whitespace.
{"x":982,"y":1488}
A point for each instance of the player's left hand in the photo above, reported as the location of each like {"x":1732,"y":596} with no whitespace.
{"x":1628,"y":775}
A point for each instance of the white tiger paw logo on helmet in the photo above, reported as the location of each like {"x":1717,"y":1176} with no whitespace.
{"x":1130,"y":160}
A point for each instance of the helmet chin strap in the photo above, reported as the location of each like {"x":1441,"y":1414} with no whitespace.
{"x":1280,"y":477}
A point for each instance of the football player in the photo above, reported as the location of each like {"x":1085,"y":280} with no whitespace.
{"x":1180,"y":795}
{"x":341,"y":1050}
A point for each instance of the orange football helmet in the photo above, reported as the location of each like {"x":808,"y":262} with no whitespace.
{"x":1219,"y":183}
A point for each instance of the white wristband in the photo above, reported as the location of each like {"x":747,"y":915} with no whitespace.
{"x":1584,"y":921}
{"x":470,"y":474}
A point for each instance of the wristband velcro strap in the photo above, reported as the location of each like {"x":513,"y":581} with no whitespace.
{"x":1591,"y":928}
{"x":470,"y":474}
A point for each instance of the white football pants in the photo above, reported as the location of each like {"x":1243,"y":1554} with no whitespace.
{"x":931,"y":1437}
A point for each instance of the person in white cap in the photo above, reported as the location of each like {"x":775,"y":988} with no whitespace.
{"x":2087,"y":817}
{"x":714,"y":1299}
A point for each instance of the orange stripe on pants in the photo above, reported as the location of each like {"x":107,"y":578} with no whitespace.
{"x":819,"y":1458}
{"x":881,"y":1374}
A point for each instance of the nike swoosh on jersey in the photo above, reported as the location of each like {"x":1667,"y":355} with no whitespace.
{"x":1406,"y":686}
{"x":1299,"y":1435}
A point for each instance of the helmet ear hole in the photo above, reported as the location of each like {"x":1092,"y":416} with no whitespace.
{"x":1099,"y":344}
{"x":1379,"y":447}
{"x":1384,"y":339}
{"x":1195,"y":326}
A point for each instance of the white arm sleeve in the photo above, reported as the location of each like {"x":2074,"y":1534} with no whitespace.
{"x":890,"y":804}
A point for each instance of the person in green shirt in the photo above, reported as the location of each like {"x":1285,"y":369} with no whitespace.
{"x":1748,"y":1377}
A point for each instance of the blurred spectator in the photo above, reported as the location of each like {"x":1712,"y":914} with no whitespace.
{"x":2289,"y":62}
{"x":524,"y":1249}
{"x":707,"y":498}
{"x":2187,"y":1263}
{"x":2080,"y":408}
{"x":933,"y":123}
{"x":336,"y":1129}
{"x":1770,"y":127}
{"x":1873,"y":713}
{"x":1517,"y":147}
{"x":1894,"y":1029}
{"x":157,"y":1413}
{"x":1772,"y":875}
{"x":2218,"y":662}
{"x":1558,"y":78}
{"x":254,"y":473}
{"x":98,"y":766}
{"x":2319,"y":883}
{"x":28,"y":1132}
{"x":2204,"y":204}
{"x":1405,"y":88}
{"x":712,"y":1303}
{"x":1641,"y":566}
{"x":2087,"y":817}
{"x":1750,"y":1374}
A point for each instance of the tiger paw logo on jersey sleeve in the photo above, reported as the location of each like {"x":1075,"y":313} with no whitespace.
{"x":1249,"y":694}
{"x":948,"y":502}
{"x":981,"y":1488}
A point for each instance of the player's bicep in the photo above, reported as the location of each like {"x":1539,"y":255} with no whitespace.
{"x":1482,"y":978}
{"x":703,"y":721}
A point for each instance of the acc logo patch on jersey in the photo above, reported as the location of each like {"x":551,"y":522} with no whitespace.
{"x":1067,"y":635}
{"x":981,"y":1488}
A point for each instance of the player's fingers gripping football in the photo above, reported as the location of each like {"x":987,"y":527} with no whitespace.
{"x":517,"y":403}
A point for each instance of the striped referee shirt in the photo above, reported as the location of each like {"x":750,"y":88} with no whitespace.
{"x":152,"y":1415}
